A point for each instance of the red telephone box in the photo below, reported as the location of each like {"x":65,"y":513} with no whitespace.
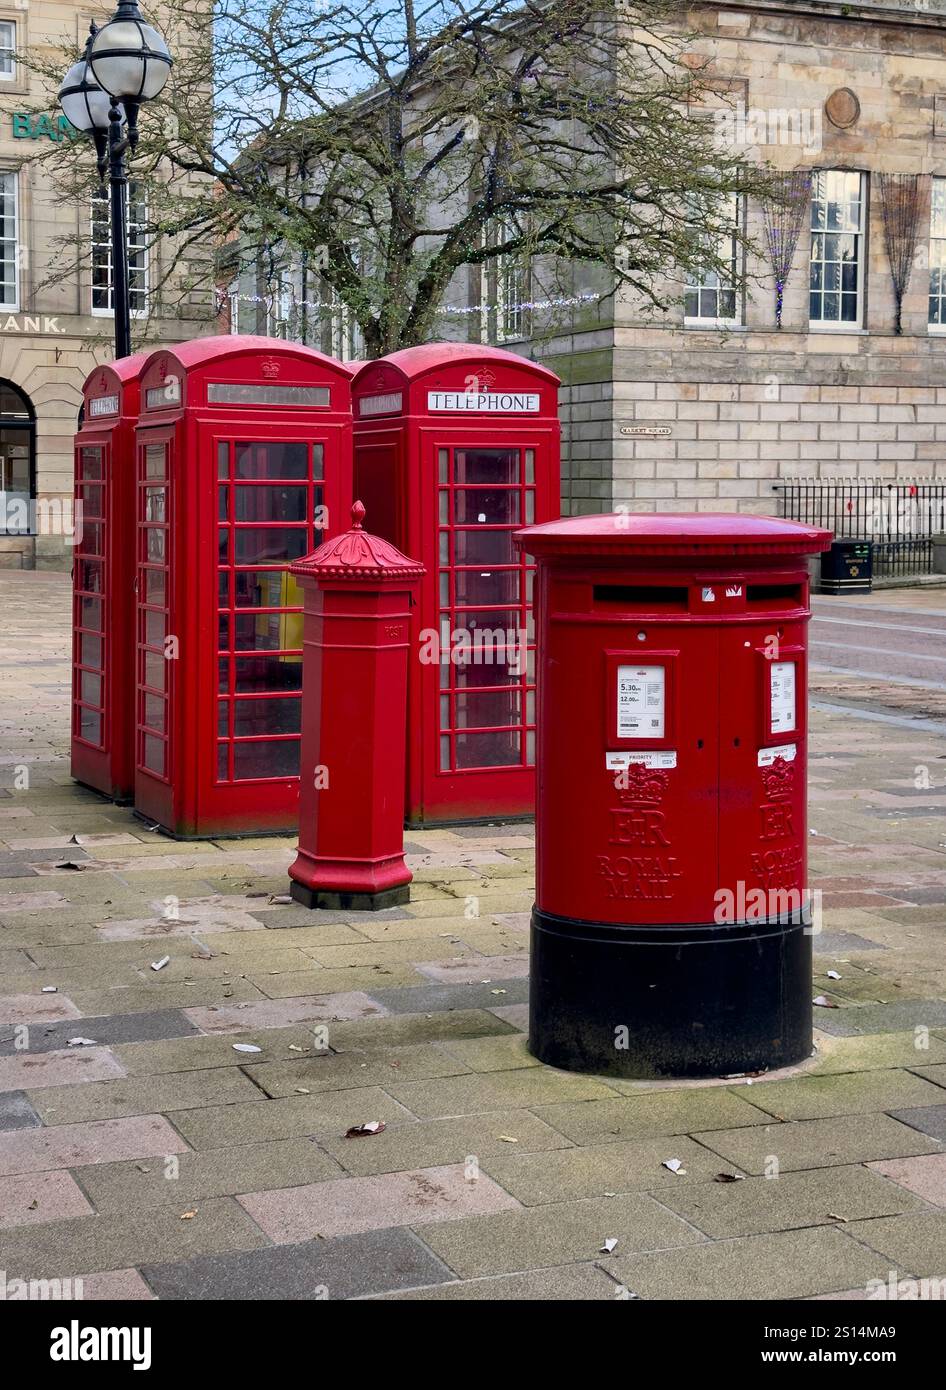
{"x":103,"y":578}
{"x":243,"y":466}
{"x":455,"y":447}
{"x":671,"y":931}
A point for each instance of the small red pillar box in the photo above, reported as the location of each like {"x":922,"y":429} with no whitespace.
{"x":358,"y":594}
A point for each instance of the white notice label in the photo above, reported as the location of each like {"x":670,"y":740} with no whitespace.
{"x":641,"y":700}
{"x":782,"y":691}
{"x":615,"y":761}
{"x":496,"y":402}
{"x":785,"y":751}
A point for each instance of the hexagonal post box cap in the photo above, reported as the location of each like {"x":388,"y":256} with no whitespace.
{"x":358,"y":556}
{"x":678,"y":534}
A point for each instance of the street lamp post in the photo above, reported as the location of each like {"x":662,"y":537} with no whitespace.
{"x":125,"y":63}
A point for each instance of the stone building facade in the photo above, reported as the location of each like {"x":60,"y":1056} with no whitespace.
{"x":671,"y":412}
{"x":56,"y":322}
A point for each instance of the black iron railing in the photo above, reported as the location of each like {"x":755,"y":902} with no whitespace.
{"x":900,"y":518}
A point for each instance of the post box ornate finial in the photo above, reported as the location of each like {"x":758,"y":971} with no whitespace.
{"x":357,"y":515}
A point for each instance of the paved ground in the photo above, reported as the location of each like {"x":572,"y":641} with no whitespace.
{"x":158,"y":1160}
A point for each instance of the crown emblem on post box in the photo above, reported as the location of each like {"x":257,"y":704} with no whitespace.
{"x":269,"y":367}
{"x":645,"y":786}
{"x":778,"y":780}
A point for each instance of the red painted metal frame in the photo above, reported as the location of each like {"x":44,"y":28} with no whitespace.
{"x":194,"y":789}
{"x":103,"y":577}
{"x":398,"y":477}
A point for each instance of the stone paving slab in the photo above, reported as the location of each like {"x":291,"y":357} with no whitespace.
{"x":926,"y":1175}
{"x":437,"y":998}
{"x":566,"y":1283}
{"x":29,"y":1198}
{"x":821,"y":1197}
{"x":333,"y":1072}
{"x":67,"y":1146}
{"x":915,"y":1245}
{"x":106,"y":1100}
{"x":814,"y":1097}
{"x":877,"y":1051}
{"x":347,"y":1206}
{"x":106,"y":1029}
{"x":330,"y":1114}
{"x":470,"y":1094}
{"x":36,"y":1008}
{"x":193,"y":1177}
{"x":817,"y":1143}
{"x":108,"y":1240}
{"x":16,"y":1112}
{"x":885,"y":1018}
{"x":929,"y":1119}
{"x":556,"y":1234}
{"x":564,"y":1174}
{"x":433,"y":1143}
{"x":276,"y":1013}
{"x":667,"y":1112}
{"x":788,"y":1264}
{"x":350,"y":1267}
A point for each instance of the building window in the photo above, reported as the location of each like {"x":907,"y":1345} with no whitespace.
{"x":7,"y":50}
{"x":102,"y":302}
{"x":837,"y":248}
{"x":711,"y":299}
{"x":505,"y":285}
{"x":9,"y":252}
{"x":937,"y":313}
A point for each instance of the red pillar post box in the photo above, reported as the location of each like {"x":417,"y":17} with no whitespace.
{"x":243,"y":465}
{"x":358,"y":597}
{"x":670,"y":935}
{"x":103,"y":581}
{"x":455,"y":447}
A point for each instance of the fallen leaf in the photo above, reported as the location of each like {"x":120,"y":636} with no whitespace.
{"x":33,"y":1205}
{"x":70,"y":864}
{"x":834,"y":1216}
{"x":301,"y":1091}
{"x":370,"y":1127}
{"x":293,"y":1048}
{"x":507,"y":1138}
{"x":188,"y":1215}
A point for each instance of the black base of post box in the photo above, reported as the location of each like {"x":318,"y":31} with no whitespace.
{"x":670,"y":1001}
{"x":350,"y":902}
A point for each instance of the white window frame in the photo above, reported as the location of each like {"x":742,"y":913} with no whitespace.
{"x":233,"y":306}
{"x":12,"y":305}
{"x":8,"y":49}
{"x":508,"y":278}
{"x":832,"y":325}
{"x":729,"y":244}
{"x":937,"y":255}
{"x":133,"y":248}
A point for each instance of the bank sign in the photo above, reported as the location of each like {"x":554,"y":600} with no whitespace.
{"x":33,"y":125}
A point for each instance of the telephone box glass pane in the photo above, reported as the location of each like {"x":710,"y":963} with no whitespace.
{"x":89,"y":576}
{"x":154,"y":627}
{"x":91,"y":613}
{"x":272,"y":504}
{"x":223,"y":459}
{"x":479,"y":587}
{"x":484,"y":547}
{"x":154,"y":544}
{"x":90,"y":688}
{"x":265,"y":632}
{"x":155,"y":504}
{"x":155,"y":586}
{"x":155,"y":669}
{"x":275,"y":758}
{"x":266,"y":589}
{"x":93,"y":538}
{"x":155,"y":457}
{"x":91,"y":462}
{"x":154,"y":709}
{"x":486,"y":710}
{"x":258,"y":717}
{"x":269,"y":545}
{"x":90,"y":495}
{"x":273,"y":459}
{"x":318,"y":460}
{"x":90,"y":725}
{"x":488,"y":750}
{"x":261,"y":673}
{"x":90,"y":650}
{"x":486,"y":466}
{"x":154,"y":754}
{"x":486,"y":506}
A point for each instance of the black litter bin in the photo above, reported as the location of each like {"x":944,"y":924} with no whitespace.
{"x":847,"y":568}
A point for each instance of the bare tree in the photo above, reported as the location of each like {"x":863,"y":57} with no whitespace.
{"x":396,"y":142}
